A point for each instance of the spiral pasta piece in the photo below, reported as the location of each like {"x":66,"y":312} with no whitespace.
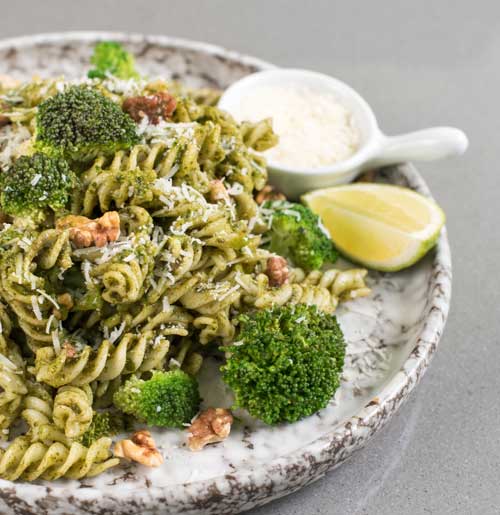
{"x":215,"y":327}
{"x":37,"y":312}
{"x":60,"y":369}
{"x":323,"y":289}
{"x":72,"y":411}
{"x":123,"y":269}
{"x":180,"y":255}
{"x":211,"y":297}
{"x":24,"y":459}
{"x":37,"y":407}
{"x":134,"y":353}
{"x":124,"y":183}
{"x":122,"y":282}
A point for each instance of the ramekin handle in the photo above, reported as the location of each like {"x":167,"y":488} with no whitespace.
{"x":424,"y":145}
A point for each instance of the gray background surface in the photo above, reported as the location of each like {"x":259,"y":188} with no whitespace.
{"x":418,"y":64}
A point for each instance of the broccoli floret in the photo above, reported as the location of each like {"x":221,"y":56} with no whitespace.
{"x":34,"y":183}
{"x":296,"y":233}
{"x":110,"y":58}
{"x":104,"y":424}
{"x":81,"y":123}
{"x":168,"y":399}
{"x":288,"y":364}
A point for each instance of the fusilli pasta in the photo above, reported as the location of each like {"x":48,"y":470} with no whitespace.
{"x":77,"y":320}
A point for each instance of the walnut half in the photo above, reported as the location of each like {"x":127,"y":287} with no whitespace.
{"x":277,"y":270}
{"x":84,"y":232}
{"x":159,"y":106}
{"x":268,"y":192}
{"x":141,"y":448}
{"x":211,"y":426}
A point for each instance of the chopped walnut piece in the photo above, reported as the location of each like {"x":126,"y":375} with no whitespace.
{"x":141,"y":448}
{"x":69,"y":349}
{"x":277,"y":270}
{"x":156,"y":107}
{"x":217,"y":191}
{"x":211,"y":426}
{"x":65,"y":300}
{"x":84,"y":232}
{"x":268,"y":192}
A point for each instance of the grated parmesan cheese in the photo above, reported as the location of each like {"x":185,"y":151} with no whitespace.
{"x":292,"y":212}
{"x":36,"y":307}
{"x":116,"y":333}
{"x":314,"y":128}
{"x":49,"y":323}
{"x":56,"y":342}
{"x":165,"y":132}
{"x":25,"y":243}
{"x":236,"y":287}
{"x":235,"y":189}
{"x":126,"y":87}
{"x":48,"y":297}
{"x":173,"y":171}
{"x":36,"y":179}
{"x":6,"y":362}
{"x":252,"y":222}
{"x":86,"y":266}
{"x":174,"y":363}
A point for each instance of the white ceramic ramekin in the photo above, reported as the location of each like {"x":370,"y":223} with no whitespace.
{"x":376,"y":149}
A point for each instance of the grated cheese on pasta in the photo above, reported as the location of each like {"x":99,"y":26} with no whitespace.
{"x":5,"y":361}
{"x":55,"y":341}
{"x":116,"y":333}
{"x":49,"y":323}
{"x":36,"y":307}
{"x":49,"y":298}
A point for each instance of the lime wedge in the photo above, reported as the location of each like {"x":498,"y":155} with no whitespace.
{"x":383,"y":227}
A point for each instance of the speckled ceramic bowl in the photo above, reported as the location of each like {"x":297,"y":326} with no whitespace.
{"x":391,"y":335}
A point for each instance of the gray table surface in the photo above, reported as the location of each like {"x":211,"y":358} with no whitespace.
{"x":418,"y":64}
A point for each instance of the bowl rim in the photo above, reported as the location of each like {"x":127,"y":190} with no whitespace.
{"x":257,"y":485}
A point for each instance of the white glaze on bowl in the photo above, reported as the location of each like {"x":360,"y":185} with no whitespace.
{"x":391,"y":338}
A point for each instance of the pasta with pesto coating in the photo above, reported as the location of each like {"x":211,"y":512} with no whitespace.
{"x":145,"y":267}
{"x":72,"y":411}
{"x":24,"y":459}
